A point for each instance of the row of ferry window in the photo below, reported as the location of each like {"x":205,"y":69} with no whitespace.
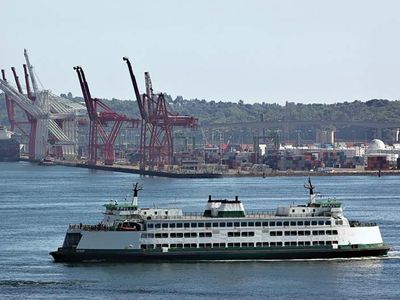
{"x":239,"y":224}
{"x":238,"y":234}
{"x":230,"y":245}
{"x":305,"y":232}
{"x":177,"y":235}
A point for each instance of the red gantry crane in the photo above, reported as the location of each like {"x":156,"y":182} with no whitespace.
{"x":99,"y":116}
{"x":156,"y":143}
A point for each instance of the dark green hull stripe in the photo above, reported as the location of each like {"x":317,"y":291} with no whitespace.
{"x":70,"y":255}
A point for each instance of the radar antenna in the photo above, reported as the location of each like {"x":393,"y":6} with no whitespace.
{"x":311,"y":188}
{"x":136,"y":189}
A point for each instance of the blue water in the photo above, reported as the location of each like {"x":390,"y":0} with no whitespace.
{"x":37,"y":203}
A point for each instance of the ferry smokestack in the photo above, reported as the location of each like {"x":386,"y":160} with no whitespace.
{"x":237,"y":198}
{"x":209,"y":197}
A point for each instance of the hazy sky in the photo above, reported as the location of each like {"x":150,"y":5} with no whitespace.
{"x":272,"y":51}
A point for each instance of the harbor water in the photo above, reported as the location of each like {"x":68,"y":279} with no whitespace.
{"x":37,"y":204}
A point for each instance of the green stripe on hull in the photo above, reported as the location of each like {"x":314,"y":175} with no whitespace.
{"x":69,"y":255}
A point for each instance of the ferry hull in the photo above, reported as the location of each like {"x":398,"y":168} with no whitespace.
{"x":71,"y":255}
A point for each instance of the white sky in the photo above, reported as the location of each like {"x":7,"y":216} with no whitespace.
{"x":272,"y":51}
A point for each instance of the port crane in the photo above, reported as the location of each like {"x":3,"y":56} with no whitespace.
{"x":100,"y":115}
{"x":156,"y":141}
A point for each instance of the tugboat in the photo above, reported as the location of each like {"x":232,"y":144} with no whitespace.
{"x":224,"y":231}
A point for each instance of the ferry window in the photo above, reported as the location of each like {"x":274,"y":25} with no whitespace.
{"x":237,"y":244}
{"x":216,"y":245}
{"x":328,"y":242}
{"x":334,"y":232}
{"x":179,"y":245}
{"x":328,"y":223}
{"x":150,"y":225}
{"x":328,"y":232}
{"x":307,"y":223}
{"x":307,"y":232}
{"x":251,"y":224}
{"x":286,"y":223}
{"x":293,"y":223}
{"x":166,"y":212}
{"x":270,"y":224}
{"x":164,"y":225}
{"x":334,"y":242}
{"x":301,"y":243}
{"x":150,"y":246}
{"x":165,"y":245}
{"x":158,"y":235}
{"x":339,"y":222}
{"x":307,"y":243}
{"x":251,"y":233}
{"x":272,"y":244}
{"x":143,"y":235}
{"x":258,"y":224}
{"x":243,"y":224}
{"x":172,"y":225}
{"x":321,"y":232}
{"x":172,"y":245}
{"x":321,"y":242}
{"x":272,"y":233}
{"x":187,"y":235}
{"x":279,"y":233}
{"x":193,"y":234}
{"x":230,"y":245}
{"x":201,"y":234}
{"x":173,"y":235}
{"x":244,"y":233}
{"x":230,"y":234}
{"x":236,"y":224}
{"x":315,"y":232}
{"x":279,"y":223}
{"x":155,"y":212}
{"x":265,"y":244}
{"x":179,"y":225}
{"x":313,"y":210}
{"x":145,"y":213}
{"x":300,"y":223}
{"x":214,"y":224}
{"x":150,"y":235}
{"x":300,"y":233}
{"x":304,"y":210}
{"x":208,"y":245}
{"x":193,"y":245}
{"x":287,"y":243}
{"x":279,"y":243}
{"x":208,"y":224}
{"x":208,"y":234}
{"x":293,"y":210}
{"x":251,"y":244}
{"x":258,"y":244}
{"x":293,"y":243}
{"x":236,"y":234}
{"x":222,"y":224}
{"x":293,"y":233}
{"x":244,"y":244}
{"x":164,"y":235}
{"x":202,"y":245}
{"x":143,"y":246}
{"x":186,"y":225}
{"x":229,"y":224}
{"x":193,"y":225}
{"x":321,"y":222}
{"x":314,"y":223}
{"x":186,"y":245}
{"x":158,"y":246}
{"x":315,"y":243}
{"x":200,"y":225}
{"x":287,"y":232}
{"x":179,"y":235}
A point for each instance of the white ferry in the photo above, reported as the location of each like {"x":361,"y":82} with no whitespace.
{"x":225,"y":230}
